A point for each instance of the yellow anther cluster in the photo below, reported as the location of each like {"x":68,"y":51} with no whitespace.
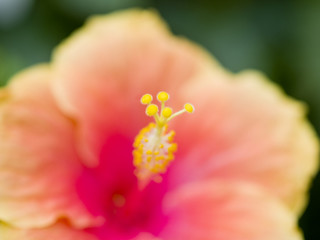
{"x":153,"y":147}
{"x":153,"y":156}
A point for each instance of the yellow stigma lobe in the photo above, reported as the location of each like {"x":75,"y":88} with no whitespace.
{"x":154,"y":147}
{"x":167,"y":112}
{"x":163,"y":96}
{"x":152,"y":110}
{"x":189,"y":107}
{"x":146,"y":99}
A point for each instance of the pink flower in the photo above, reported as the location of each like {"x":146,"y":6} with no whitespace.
{"x":244,"y":161}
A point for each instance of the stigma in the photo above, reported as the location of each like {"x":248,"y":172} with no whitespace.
{"x":154,"y":146}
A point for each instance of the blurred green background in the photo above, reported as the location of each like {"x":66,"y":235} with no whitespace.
{"x":280,"y":38}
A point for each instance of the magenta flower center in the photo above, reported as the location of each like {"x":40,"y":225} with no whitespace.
{"x":126,"y":189}
{"x":111,"y":191}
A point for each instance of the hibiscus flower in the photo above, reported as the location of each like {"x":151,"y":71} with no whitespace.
{"x":80,"y":159}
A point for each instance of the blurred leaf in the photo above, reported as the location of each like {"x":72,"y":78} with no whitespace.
{"x":9,"y":65}
{"x":82,"y":8}
{"x":307,"y":58}
{"x":13,"y":11}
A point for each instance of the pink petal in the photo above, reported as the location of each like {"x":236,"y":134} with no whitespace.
{"x":245,"y":128}
{"x":227,"y":211}
{"x":38,"y":164}
{"x":146,"y":236}
{"x":103,"y":69}
{"x":59,"y":231}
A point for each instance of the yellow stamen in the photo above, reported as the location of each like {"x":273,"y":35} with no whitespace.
{"x":173,"y":147}
{"x":154,"y":147}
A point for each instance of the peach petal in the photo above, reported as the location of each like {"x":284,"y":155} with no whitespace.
{"x":246,"y":128}
{"x":38,"y":164}
{"x":59,"y":231}
{"x":226,"y":211}
{"x":249,"y":129}
{"x":114,"y":60}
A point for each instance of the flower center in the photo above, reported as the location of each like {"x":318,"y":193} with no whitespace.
{"x":154,"y":147}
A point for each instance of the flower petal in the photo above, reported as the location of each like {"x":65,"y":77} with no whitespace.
{"x":146,"y":236}
{"x":38,"y":164}
{"x":226,"y":211}
{"x":114,"y":60}
{"x":58,"y":231}
{"x":245,"y":128}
